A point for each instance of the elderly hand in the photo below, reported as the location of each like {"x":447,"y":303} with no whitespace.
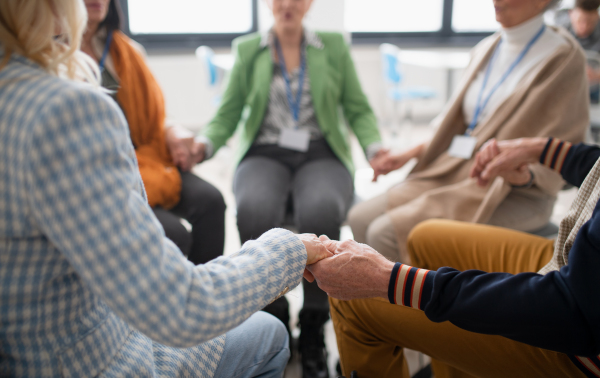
{"x":508,"y":159}
{"x":198,"y":152}
{"x":315,"y":251}
{"x":378,"y":163}
{"x":354,"y":271}
{"x":180,"y":141}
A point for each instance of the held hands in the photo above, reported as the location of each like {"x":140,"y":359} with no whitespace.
{"x":353,"y":271}
{"x":385,"y":162}
{"x":508,"y":159}
{"x":315,"y":251}
{"x":180,"y":142}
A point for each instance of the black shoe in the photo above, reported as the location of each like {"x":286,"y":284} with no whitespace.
{"x":312,"y":343}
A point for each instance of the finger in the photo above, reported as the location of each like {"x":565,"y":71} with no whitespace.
{"x":308,"y":275}
{"x":330,"y":245}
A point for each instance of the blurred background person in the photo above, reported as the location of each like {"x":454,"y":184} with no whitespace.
{"x":293,"y":146}
{"x":526,"y":80}
{"x":583,"y":23}
{"x":163,"y":158}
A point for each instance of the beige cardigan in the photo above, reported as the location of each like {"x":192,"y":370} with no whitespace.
{"x":552,"y":100}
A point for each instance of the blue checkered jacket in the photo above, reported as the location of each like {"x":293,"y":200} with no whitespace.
{"x":89,"y":285}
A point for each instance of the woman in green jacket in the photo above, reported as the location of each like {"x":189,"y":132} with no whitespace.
{"x":285,"y":92}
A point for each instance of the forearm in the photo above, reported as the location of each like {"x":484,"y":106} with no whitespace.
{"x":573,"y":162}
{"x":528,"y":307}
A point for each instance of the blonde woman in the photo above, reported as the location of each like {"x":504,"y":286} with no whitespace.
{"x":90,"y":285}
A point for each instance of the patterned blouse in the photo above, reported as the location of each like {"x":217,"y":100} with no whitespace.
{"x":278,"y":115}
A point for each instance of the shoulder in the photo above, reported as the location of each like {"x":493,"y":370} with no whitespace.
{"x":247,"y":44}
{"x":331,"y":38}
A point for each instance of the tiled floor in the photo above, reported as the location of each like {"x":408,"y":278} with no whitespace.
{"x":219,"y":171}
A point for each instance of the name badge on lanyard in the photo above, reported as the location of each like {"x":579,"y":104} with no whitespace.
{"x":463,"y":146}
{"x":293,"y":139}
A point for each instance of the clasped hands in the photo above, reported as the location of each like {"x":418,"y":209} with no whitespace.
{"x":346,"y":270}
{"x":185,"y":150}
{"x":509,"y":159}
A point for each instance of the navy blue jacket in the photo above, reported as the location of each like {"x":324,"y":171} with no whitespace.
{"x":557,"y":311}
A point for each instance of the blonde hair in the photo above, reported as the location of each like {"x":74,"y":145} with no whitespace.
{"x":48,"y":32}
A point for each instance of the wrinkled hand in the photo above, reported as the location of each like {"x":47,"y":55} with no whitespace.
{"x":354,"y":271}
{"x":198,"y":152}
{"x":315,"y":251}
{"x":508,"y":159}
{"x":180,"y":141}
{"x":377,"y":162}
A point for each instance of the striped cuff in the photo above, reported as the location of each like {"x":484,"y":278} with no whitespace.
{"x":410,"y":286}
{"x":554,"y":154}
{"x":588,"y":366}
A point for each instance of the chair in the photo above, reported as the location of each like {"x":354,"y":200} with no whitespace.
{"x":214,"y":74}
{"x":390,"y":57}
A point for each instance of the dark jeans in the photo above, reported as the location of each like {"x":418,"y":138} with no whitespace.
{"x":202,"y":205}
{"x":320,"y":188}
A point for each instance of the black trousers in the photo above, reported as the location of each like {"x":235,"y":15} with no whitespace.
{"x":318,"y":184}
{"x":202,"y":205}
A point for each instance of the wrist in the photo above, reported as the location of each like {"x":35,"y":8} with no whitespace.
{"x":535,"y":148}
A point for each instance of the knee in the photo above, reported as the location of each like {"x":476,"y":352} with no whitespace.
{"x":179,"y":235}
{"x":320,"y":214}
{"x":424,"y":234}
{"x":271,"y":331}
{"x":212,"y":197}
{"x":356,"y":220}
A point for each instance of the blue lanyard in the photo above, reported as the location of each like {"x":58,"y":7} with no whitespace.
{"x":105,"y":53}
{"x":294,"y":105}
{"x":479,"y":107}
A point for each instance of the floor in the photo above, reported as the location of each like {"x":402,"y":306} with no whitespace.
{"x":219,"y":171}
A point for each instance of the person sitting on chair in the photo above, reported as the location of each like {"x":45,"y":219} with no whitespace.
{"x":287,"y":86}
{"x":526,"y":80}
{"x":510,"y":322}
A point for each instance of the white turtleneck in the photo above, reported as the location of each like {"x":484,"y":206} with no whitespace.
{"x":514,"y":41}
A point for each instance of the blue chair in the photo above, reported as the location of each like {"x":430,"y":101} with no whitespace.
{"x":206,"y":55}
{"x":390,"y":57}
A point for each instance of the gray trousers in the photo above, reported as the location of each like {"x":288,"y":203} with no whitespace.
{"x":318,"y":185}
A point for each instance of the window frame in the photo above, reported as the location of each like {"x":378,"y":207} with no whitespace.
{"x":188,"y":42}
{"x":185,"y":41}
{"x":443,"y":37}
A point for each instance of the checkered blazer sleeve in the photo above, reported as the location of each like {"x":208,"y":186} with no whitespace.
{"x":87,"y":198}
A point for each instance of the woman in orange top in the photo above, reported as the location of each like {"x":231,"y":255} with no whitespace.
{"x":173,"y":191}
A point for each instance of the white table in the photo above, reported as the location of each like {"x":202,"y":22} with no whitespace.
{"x":446,"y":60}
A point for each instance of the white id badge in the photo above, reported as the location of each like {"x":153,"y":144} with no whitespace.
{"x":296,"y":140}
{"x":462,"y":146}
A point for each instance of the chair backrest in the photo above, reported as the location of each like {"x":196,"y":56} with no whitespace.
{"x":206,"y":55}
{"x":391,"y":63}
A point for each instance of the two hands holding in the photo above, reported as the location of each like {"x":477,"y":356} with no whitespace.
{"x":185,"y":150}
{"x":346,"y":270}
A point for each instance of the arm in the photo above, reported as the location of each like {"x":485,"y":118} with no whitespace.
{"x":86,"y":196}
{"x":558,"y":311}
{"x":510,"y":159}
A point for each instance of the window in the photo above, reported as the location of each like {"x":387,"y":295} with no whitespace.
{"x":190,"y":16}
{"x":381,"y":16}
{"x":473,"y":16}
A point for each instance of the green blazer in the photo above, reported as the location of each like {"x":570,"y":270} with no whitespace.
{"x":334,"y":87}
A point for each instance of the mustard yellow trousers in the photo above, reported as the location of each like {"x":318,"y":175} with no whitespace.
{"x":371,"y":333}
